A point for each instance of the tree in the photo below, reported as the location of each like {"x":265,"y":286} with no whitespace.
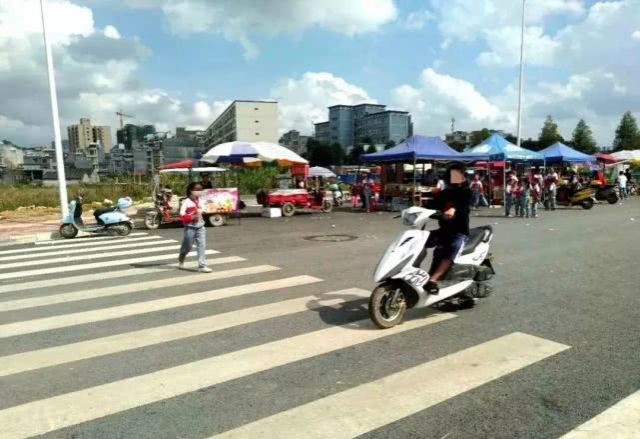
{"x":337,"y":154}
{"x":530,"y":144}
{"x":458,"y":146}
{"x":627,"y":134}
{"x":477,"y":137}
{"x":390,"y":144}
{"x":354,"y":154}
{"x":549,"y":134}
{"x":371,"y":149}
{"x":583,"y":138}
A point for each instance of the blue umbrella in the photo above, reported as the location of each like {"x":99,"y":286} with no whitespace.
{"x":559,"y":152}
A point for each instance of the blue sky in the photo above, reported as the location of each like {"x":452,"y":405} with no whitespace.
{"x":179,"y":63}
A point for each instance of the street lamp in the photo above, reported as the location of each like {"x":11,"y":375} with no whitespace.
{"x":62,"y":183}
{"x":521,"y":76}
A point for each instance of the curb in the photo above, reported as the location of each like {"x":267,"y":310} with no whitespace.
{"x":26,"y":239}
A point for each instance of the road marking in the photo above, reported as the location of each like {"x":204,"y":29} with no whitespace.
{"x":102,"y":264}
{"x":356,"y":411}
{"x":90,"y":256}
{"x":131,"y":288}
{"x":74,"y":246}
{"x":57,"y":242}
{"x":83,"y":350}
{"x":621,"y":420}
{"x":87,"y":278}
{"x":84,"y":405}
{"x":115,"y":312}
{"x":103,"y":248}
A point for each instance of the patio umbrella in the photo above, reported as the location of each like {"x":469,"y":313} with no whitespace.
{"x":319,"y":171}
{"x":606,"y":158}
{"x":249,"y":152}
{"x":183,"y":164}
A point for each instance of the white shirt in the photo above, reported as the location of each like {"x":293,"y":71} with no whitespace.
{"x":441,"y":185}
{"x":622,"y":181}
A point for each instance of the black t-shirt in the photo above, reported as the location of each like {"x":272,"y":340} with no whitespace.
{"x":460,"y":199}
{"x":78,"y":212}
{"x":207,"y":185}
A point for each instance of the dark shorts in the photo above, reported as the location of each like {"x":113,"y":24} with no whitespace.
{"x":447,"y":245}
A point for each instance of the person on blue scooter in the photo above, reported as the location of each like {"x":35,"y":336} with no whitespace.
{"x":453,"y":202}
{"x":77,"y":212}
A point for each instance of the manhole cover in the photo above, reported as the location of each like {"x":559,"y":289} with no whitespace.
{"x":331,"y":238}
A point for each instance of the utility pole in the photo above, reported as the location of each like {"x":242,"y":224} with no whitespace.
{"x":57,"y":138}
{"x":521,"y":76}
{"x":453,"y":125}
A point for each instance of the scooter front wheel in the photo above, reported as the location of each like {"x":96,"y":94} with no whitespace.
{"x":68,"y":231}
{"x":387,"y":305}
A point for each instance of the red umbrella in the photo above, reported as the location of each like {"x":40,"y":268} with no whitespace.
{"x":178,"y":165}
{"x":607,"y":158}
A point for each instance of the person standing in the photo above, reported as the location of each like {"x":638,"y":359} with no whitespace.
{"x":509,"y":189}
{"x":194,"y":230}
{"x":367,"y":192}
{"x":476,"y":191}
{"x":622,"y":184}
{"x":535,"y":193}
{"x":551,"y":186}
{"x":523,"y":197}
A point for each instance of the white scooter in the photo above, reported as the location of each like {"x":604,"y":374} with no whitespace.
{"x":401,"y":281}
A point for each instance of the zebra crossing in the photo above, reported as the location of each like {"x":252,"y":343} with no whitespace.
{"x":54,"y":295}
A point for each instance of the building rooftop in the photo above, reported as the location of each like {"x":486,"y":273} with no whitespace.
{"x":355,"y":106}
{"x":386,"y":112}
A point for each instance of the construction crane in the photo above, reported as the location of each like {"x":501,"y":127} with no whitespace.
{"x":122,"y":115}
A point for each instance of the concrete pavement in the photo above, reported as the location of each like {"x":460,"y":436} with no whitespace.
{"x":277,"y":343}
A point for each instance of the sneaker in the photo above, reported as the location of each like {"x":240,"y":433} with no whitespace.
{"x":205,"y":270}
{"x":180,"y":265}
{"x":431,"y":287}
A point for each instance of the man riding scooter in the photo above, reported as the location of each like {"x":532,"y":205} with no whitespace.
{"x":453,"y":202}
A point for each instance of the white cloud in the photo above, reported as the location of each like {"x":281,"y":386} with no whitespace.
{"x":96,"y":73}
{"x":497,"y":23}
{"x":305,"y":100}
{"x":111,"y":32}
{"x":438,"y":97}
{"x":504,"y":45}
{"x":636,"y":35}
{"x":240,"y":20}
{"x":418,"y":19}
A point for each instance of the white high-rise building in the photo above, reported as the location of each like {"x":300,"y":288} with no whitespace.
{"x":84,"y":134}
{"x":248,"y":121}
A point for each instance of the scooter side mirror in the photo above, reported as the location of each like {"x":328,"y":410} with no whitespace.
{"x":436,"y":215}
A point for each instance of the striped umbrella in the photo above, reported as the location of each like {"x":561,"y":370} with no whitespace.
{"x":251,"y":152}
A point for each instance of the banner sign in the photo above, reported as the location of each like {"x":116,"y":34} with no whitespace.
{"x":220,"y":200}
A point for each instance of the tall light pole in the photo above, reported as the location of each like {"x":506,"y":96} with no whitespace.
{"x":57,"y":139}
{"x":521,"y":76}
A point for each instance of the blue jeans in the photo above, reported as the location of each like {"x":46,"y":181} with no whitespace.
{"x":508,"y":202}
{"x":550,"y":202}
{"x":623,"y":192}
{"x":199,"y":235}
{"x":478,"y":199}
{"x":522,"y":205}
{"x":534,"y":207}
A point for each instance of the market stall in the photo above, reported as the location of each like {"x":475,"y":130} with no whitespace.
{"x":292,"y":193}
{"x":497,"y":148}
{"x":419,"y":153}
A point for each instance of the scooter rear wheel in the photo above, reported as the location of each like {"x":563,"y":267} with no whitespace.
{"x":68,"y":231}
{"x":387,"y":306}
{"x":152,"y":220}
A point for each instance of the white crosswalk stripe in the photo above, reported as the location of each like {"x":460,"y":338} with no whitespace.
{"x":147,"y":242}
{"x":95,"y":277}
{"x":90,"y":256}
{"x":115,"y":312}
{"x":131,"y":331}
{"x":622,"y":421}
{"x":131,"y":288}
{"x":85,"y":244}
{"x":342,"y":416}
{"x":82,"y":240}
{"x":146,"y":337}
{"x":96,"y":402}
{"x":102,"y":264}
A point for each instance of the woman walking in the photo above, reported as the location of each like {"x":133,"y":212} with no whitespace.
{"x":194,"y":230}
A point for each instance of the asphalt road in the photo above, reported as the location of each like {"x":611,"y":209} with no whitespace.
{"x":554,"y":346}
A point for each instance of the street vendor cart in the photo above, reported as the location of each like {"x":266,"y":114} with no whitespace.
{"x":217,"y":203}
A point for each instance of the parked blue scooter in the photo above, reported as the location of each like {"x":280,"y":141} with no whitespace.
{"x":112,"y":221}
